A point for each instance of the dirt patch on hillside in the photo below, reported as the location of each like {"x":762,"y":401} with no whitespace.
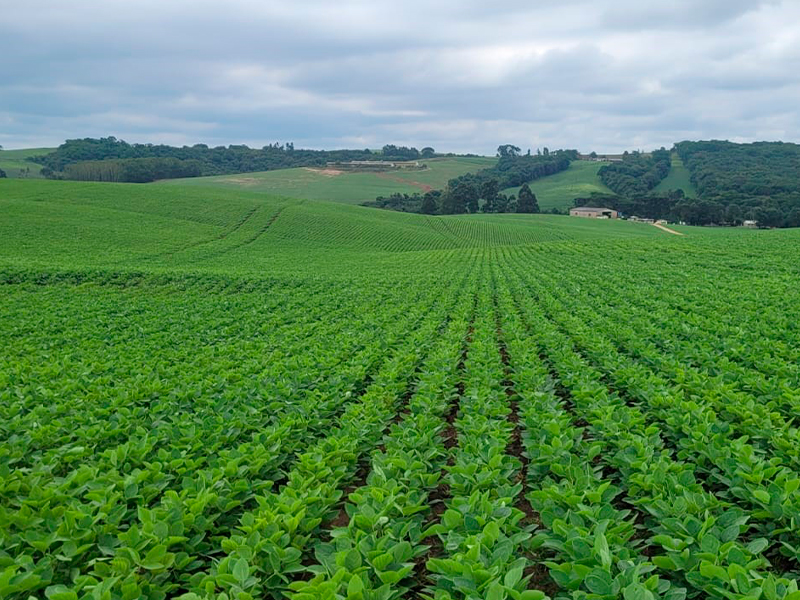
{"x":423,"y":186}
{"x":324,"y":172}
{"x":242,"y":180}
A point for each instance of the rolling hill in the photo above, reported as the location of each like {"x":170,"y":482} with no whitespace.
{"x":559,"y":190}
{"x":171,"y":227}
{"x":677,"y":179}
{"x":14,"y":162}
{"x":349,"y":188}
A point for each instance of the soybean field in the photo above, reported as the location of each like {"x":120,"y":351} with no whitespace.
{"x":218,"y":394}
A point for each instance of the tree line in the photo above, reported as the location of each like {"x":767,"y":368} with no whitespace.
{"x":674,"y":206}
{"x":81,"y":158}
{"x":736,"y":182}
{"x":481,"y":191}
{"x":132,"y":170}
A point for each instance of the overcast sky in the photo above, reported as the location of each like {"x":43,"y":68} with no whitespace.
{"x":459,"y":75}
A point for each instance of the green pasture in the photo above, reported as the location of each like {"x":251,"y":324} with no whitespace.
{"x":347,"y":188}
{"x":560,"y":190}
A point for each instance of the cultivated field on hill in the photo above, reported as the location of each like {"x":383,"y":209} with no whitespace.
{"x":215,"y":394}
{"x":677,"y":179}
{"x":349,"y":188}
{"x":560,"y":190}
{"x":14,"y":164}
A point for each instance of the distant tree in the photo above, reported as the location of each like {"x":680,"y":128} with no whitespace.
{"x":219,"y":160}
{"x":489,"y":190}
{"x":453,"y":203}
{"x":464,"y":195}
{"x":508,"y":150}
{"x":429,"y":204}
{"x":511,"y":206}
{"x":734,"y":214}
{"x":427,"y":152}
{"x":593,"y":154}
{"x":479,"y":191}
{"x":400,"y":152}
{"x":3,"y":174}
{"x":699,"y":212}
{"x":768,"y":216}
{"x":1,"y":146}
{"x":526,"y":200}
{"x":501,"y":203}
{"x":793,"y":220}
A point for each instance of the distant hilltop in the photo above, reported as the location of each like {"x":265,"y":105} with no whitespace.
{"x":375,"y":165}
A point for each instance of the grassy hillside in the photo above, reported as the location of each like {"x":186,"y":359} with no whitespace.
{"x":13,"y":162}
{"x":678,"y":179}
{"x":559,"y":190}
{"x":348,"y":188}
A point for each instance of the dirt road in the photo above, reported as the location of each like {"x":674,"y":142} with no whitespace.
{"x":667,"y":229}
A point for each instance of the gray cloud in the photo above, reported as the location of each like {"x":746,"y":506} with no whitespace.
{"x":462,"y":76}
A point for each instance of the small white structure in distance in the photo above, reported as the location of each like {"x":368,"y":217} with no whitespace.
{"x":593,"y":213}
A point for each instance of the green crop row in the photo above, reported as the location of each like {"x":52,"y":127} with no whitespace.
{"x":272,"y":541}
{"x":697,"y":532}
{"x":764,"y":487}
{"x":588,"y":541}
{"x":482,"y":531}
{"x":375,"y":554}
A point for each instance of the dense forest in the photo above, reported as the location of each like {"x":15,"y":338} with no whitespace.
{"x":675,"y":207}
{"x":735,"y":183}
{"x":480,"y":191}
{"x":110,"y":159}
{"x":759,"y":181}
{"x":637,"y":174}
{"x":132,"y":170}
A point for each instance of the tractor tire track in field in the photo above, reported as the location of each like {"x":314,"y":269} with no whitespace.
{"x":423,"y":186}
{"x":359,"y":480}
{"x":442,"y":229}
{"x":218,"y":238}
{"x":540,"y":575}
{"x":261,"y":231}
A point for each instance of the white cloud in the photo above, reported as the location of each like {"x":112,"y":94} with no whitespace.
{"x":461,"y":75}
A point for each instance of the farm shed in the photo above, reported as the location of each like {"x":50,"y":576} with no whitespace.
{"x":593,"y":213}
